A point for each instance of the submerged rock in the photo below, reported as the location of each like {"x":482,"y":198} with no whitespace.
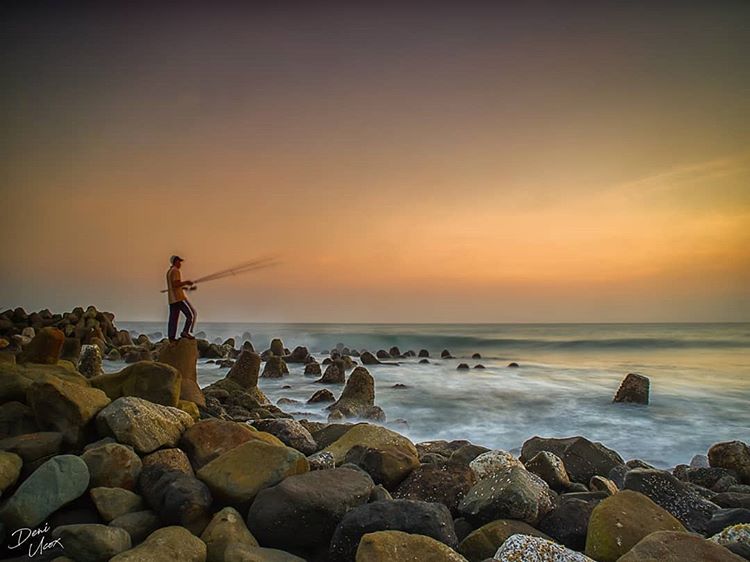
{"x":633,"y":389}
{"x":358,"y":398}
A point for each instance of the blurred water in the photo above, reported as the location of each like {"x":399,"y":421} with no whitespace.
{"x":700,"y":381}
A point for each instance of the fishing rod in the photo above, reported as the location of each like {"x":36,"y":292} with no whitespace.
{"x":253,"y":265}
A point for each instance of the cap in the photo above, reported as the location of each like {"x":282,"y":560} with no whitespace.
{"x":174,"y":259}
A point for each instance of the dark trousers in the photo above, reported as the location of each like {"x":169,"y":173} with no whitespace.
{"x":174,"y":313}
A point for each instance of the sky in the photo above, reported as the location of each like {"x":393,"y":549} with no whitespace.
{"x":405,"y":161}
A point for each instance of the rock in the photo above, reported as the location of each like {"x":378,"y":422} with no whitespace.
{"x":169,"y":459}
{"x":619,"y":522}
{"x":155,"y":382}
{"x":298,"y":355}
{"x":387,"y":465}
{"x":290,"y":432}
{"x":522,"y":547}
{"x":277,"y":347}
{"x":113,"y":466}
{"x":144,"y":425}
{"x":32,"y":447}
{"x":468,"y":453}
{"x":409,"y":516}
{"x":424,"y":361}
{"x":462,"y":367}
{"x":209,"y":439}
{"x":246,"y":370}
{"x":601,"y":484}
{"x":90,"y":361}
{"x":633,"y":389}
{"x":71,"y":350}
{"x":138,"y":524}
{"x":367,"y":435}
{"x":238,"y":475}
{"x":183,"y":356}
{"x":16,"y":418}
{"x":322,"y":395}
{"x":671,"y":546}
{"x":512,"y":494}
{"x":484,"y":542}
{"x":358,"y":398}
{"x":302,"y":512}
{"x":166,"y":545}
{"x":312,"y":369}
{"x":111,"y":503}
{"x":226,"y":528}
{"x":45,"y":347}
{"x":65,"y":407}
{"x":723,"y":518}
{"x":513,"y":365}
{"x":734,"y":534}
{"x":549,"y":468}
{"x":275,"y":368}
{"x":732,"y":500}
{"x":423,"y":353}
{"x":676,"y":497}
{"x":244,"y":553}
{"x":447,"y":484}
{"x":55,"y":483}
{"x":582,"y":458}
{"x":732,"y":455}
{"x":335,"y":373}
{"x":368,"y":358}
{"x":92,"y":543}
{"x":388,"y":546}
{"x":445,"y":354}
{"x":321,"y":461}
{"x":492,"y":462}
{"x":10,"y":469}
{"x":568,"y":522}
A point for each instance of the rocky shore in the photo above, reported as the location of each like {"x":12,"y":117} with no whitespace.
{"x":144,"y":465}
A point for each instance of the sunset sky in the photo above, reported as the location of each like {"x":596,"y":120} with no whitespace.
{"x":407,"y":161}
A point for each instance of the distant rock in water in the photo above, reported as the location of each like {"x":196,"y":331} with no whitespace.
{"x":633,"y":389}
{"x":312,"y":369}
{"x":424,"y":353}
{"x":446,"y":354}
{"x":335,"y":373}
{"x":369,"y":359}
{"x":399,"y":385}
{"x":462,"y":367}
{"x":424,"y":361}
{"x":383,"y":354}
{"x":275,"y":368}
{"x":476,"y":356}
{"x":322,"y":395}
{"x":479,"y":366}
{"x":395,"y":352}
{"x":358,"y":398}
{"x":513,"y":365}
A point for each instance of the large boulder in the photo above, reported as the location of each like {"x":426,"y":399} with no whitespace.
{"x":484,"y":542}
{"x":445,"y":483}
{"x":290,"y":432}
{"x":525,"y":548}
{"x":246,"y":370}
{"x":678,"y":498}
{"x":581,"y":457}
{"x":368,"y":358}
{"x":225,"y":529}
{"x":275,"y":367}
{"x":732,"y":455}
{"x":32,"y":447}
{"x":388,"y":546}
{"x":111,"y":503}
{"x":301,"y":513}
{"x":568,"y":522}
{"x":415,"y":517}
{"x":65,"y":407}
{"x":512,"y":494}
{"x":142,"y":424}
{"x":671,"y":546}
{"x":166,"y":545}
{"x":335,"y":373}
{"x":155,"y":382}
{"x":45,"y":347}
{"x":92,"y":542}
{"x":277,"y":347}
{"x":169,"y":459}
{"x":549,"y":468}
{"x":358,"y":398}
{"x":237,"y":476}
{"x":10,"y":469}
{"x":367,"y":435}
{"x":619,"y":522}
{"x":299,"y":354}
{"x":386,"y":465}
{"x":55,"y":483}
{"x":183,"y":356}
{"x":633,"y":389}
{"x":113,"y":465}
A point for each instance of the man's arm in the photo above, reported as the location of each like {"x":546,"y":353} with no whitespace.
{"x":177,"y":282}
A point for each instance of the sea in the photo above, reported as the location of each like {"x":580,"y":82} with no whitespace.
{"x":564,"y":385}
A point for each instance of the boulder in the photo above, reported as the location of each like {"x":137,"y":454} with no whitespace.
{"x":169,"y":459}
{"x":290,"y":432}
{"x":144,"y":425}
{"x":549,"y":468}
{"x":277,"y":347}
{"x":671,"y":546}
{"x":244,"y":553}
{"x":388,"y":546}
{"x":484,"y":542}
{"x":368,"y":358}
{"x":45,"y":347}
{"x":367,"y":435}
{"x":111,"y":503}
{"x":335,"y":373}
{"x":302,"y":512}
{"x":65,"y":407}
{"x":183,"y":356}
{"x":415,"y":517}
{"x":10,"y":469}
{"x":512,"y":494}
{"x":581,"y":457}
{"x":138,"y":524}
{"x":92,"y":542}
{"x":732,"y":455}
{"x":113,"y":465}
{"x":298,"y":355}
{"x":275,"y":367}
{"x":492,"y":462}
{"x":71,"y":350}
{"x":246,"y":370}
{"x":312,"y":369}
{"x":446,"y":483}
{"x":238,"y":475}
{"x":16,"y":418}
{"x":387,"y":465}
{"x":522,"y":547}
{"x":568,"y":521}
{"x":358,"y":398}
{"x":468,"y":453}
{"x":166,"y":545}
{"x":423,"y":353}
{"x":322,"y":395}
{"x":677,"y":497}
{"x":633,"y":389}
{"x":90,"y":361}
{"x":226,"y":528}
{"x":32,"y":447}
{"x":601,"y":484}
{"x":55,"y":483}
{"x":155,"y":382}
{"x":619,"y":522}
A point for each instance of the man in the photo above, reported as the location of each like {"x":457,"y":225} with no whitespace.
{"x":178,"y":302}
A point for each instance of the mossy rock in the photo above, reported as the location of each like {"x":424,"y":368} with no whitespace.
{"x":370,"y":436}
{"x":484,"y":542}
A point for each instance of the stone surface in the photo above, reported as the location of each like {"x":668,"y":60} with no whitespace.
{"x":550,"y":468}
{"x":91,"y":542}
{"x":619,"y":522}
{"x":111,"y":503}
{"x":390,"y":546}
{"x":335,"y":373}
{"x":368,"y":435}
{"x":138,"y":524}
{"x":244,"y":553}
{"x":387,"y":465}
{"x":16,"y":418}
{"x":484,"y":542}
{"x":238,"y":475}
{"x":55,"y":483}
{"x":358,"y":397}
{"x":582,"y":458}
{"x":522,"y":548}
{"x":275,"y":368}
{"x":634,"y":389}
{"x":246,"y":370}
{"x":155,"y":382}
{"x":670,"y":546}
{"x":733,"y":455}
{"x":168,"y":544}
{"x":301,"y":513}
{"x":45,"y":347}
{"x":183,"y":356}
{"x":113,"y":465}
{"x":144,"y":425}
{"x":490,"y":463}
{"x":568,"y":522}
{"x":226,"y":528}
{"x":208,"y":439}
{"x":290,"y":432}
{"x":445,"y":483}
{"x":10,"y":469}
{"x":33,"y":446}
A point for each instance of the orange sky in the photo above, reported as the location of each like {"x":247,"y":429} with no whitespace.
{"x":473,"y":169}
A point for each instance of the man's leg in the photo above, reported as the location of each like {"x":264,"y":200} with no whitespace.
{"x":174,"y":313}
{"x":187,"y":310}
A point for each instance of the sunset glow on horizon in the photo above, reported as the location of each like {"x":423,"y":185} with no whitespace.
{"x":488,"y":162}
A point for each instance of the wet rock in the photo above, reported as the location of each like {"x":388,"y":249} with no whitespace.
{"x":732,"y":455}
{"x":113,"y":465}
{"x":277,"y":347}
{"x":246,"y":370}
{"x":522,"y":547}
{"x":226,"y":528}
{"x":732,"y":500}
{"x":244,"y":553}
{"x":467,"y":454}
{"x":446,"y":484}
{"x":290,"y":432}
{"x":335,"y":373}
{"x":387,"y":546}
{"x":490,"y":463}
{"x":275,"y":368}
{"x":321,"y":461}
{"x":581,"y":457}
{"x":166,"y":545}
{"x":484,"y":542}
{"x":156,"y":382}
{"x":111,"y":503}
{"x":601,"y":484}
{"x":32,"y":447}
{"x":298,"y":355}
{"x":91,"y":542}
{"x":549,"y":468}
{"x":368,"y":358}
{"x":322,"y":395}
{"x":45,"y":347}
{"x":568,"y":522}
{"x":633,"y":389}
{"x":10,"y":469}
{"x":723,"y":518}
{"x":462,"y":367}
{"x":387,"y":465}
{"x":183,"y":356}
{"x":367,"y":435}
{"x":90,"y":361}
{"x":312,"y":369}
{"x":670,"y":546}
{"x":513,"y":365}
{"x":424,"y":361}
{"x":138,"y":524}
{"x":358,"y":398}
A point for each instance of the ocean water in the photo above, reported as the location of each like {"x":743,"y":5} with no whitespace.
{"x":568,"y":374}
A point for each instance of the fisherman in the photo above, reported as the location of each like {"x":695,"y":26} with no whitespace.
{"x":178,"y":302}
